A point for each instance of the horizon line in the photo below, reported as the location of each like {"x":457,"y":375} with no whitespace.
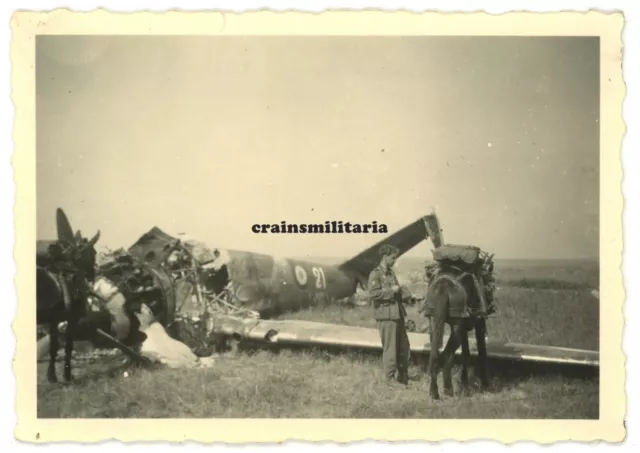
{"x":337,"y":257}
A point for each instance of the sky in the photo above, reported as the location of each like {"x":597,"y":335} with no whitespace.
{"x":210,"y":135}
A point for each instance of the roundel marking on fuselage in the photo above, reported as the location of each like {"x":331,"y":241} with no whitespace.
{"x":301,"y":275}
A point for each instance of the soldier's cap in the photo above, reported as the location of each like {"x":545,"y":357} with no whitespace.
{"x":388,"y":249}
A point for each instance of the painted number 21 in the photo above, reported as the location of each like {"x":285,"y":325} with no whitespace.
{"x":321,"y":283}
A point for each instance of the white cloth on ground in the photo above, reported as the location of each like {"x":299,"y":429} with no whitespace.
{"x":159,"y":346}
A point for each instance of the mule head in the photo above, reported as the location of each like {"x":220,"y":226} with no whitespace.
{"x":75,"y":250}
{"x":83,"y":255}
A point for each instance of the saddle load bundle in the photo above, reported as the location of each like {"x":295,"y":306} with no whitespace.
{"x":471,"y":270}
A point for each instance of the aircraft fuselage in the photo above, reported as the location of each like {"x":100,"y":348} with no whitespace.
{"x":269,"y":284}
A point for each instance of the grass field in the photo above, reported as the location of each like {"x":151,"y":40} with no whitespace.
{"x":539,"y":303}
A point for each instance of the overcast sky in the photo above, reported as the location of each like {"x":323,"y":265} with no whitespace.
{"x":211,"y":135}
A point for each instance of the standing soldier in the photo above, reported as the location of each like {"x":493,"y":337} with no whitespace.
{"x":390,"y":314}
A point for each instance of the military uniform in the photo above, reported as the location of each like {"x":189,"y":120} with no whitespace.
{"x":390,"y":316}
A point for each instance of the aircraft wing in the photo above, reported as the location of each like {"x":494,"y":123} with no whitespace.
{"x":305,"y":333}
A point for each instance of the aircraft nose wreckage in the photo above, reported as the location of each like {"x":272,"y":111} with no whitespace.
{"x":209,"y":298}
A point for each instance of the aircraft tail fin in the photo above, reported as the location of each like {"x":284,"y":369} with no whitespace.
{"x":404,"y":240}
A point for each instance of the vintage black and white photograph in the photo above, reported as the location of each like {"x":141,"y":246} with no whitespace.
{"x":318,"y":226}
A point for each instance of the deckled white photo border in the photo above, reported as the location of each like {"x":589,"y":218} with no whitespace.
{"x":612,"y":383}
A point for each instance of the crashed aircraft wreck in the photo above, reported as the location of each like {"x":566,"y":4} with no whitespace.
{"x":211,"y":299}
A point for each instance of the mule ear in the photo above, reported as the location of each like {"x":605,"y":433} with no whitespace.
{"x":78,"y":237}
{"x":94,"y":239}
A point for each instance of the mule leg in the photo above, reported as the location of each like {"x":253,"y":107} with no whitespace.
{"x":434,"y":369}
{"x":53,"y":350}
{"x":435,"y":358}
{"x":446,"y":374}
{"x":481,"y":329}
{"x":424,"y":361}
{"x":440,"y":318}
{"x":449,"y":357}
{"x":68,"y":349}
{"x":466,"y":357}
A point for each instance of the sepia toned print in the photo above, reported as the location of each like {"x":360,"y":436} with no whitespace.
{"x":315,"y":226}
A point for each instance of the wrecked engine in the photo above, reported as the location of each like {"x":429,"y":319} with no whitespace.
{"x":140,"y":284}
{"x":170,"y":290}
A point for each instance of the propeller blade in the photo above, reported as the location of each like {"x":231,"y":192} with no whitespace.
{"x":65,"y":232}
